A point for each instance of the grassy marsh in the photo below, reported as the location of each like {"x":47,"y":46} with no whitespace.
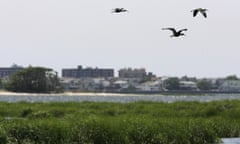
{"x":118,"y":123}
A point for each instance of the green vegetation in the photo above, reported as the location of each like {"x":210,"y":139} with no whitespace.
{"x":116,"y":123}
{"x":204,"y":84}
{"x":34,"y":80}
{"x":232,"y":77}
{"x":1,"y":83}
{"x":172,"y":83}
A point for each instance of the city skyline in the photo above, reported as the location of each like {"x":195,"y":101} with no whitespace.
{"x":63,"y":34}
{"x":113,"y":72}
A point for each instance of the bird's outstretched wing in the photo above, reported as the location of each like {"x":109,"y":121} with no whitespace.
{"x":195,"y":12}
{"x":182,"y":30}
{"x":204,"y":14}
{"x":171,"y":29}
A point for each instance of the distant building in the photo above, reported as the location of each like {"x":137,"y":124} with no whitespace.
{"x":87,"y":72}
{"x":5,"y":72}
{"x":187,"y":85}
{"x":150,"y":86}
{"x":230,"y":85}
{"x":132,"y":73}
{"x":121,"y":84}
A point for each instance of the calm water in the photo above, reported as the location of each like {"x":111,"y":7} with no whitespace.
{"x":231,"y":140}
{"x":121,"y":99}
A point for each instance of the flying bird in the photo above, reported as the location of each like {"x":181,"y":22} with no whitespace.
{"x":119,"y":10}
{"x":201,"y":10}
{"x":175,"y":32}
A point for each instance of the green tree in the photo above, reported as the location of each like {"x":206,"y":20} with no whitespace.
{"x":186,"y":78}
{"x":172,"y":83}
{"x":231,"y":77}
{"x":204,"y":84}
{"x":34,"y":80}
{"x":1,"y":83}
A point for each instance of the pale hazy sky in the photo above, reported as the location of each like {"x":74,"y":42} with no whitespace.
{"x":66,"y":33}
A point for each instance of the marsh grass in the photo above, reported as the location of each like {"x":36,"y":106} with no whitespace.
{"x":118,"y":123}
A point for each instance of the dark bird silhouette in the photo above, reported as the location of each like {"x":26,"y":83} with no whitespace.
{"x":175,"y":32}
{"x":201,"y":10}
{"x":119,"y":10}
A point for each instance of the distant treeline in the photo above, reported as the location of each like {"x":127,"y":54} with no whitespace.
{"x":33,"y":80}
